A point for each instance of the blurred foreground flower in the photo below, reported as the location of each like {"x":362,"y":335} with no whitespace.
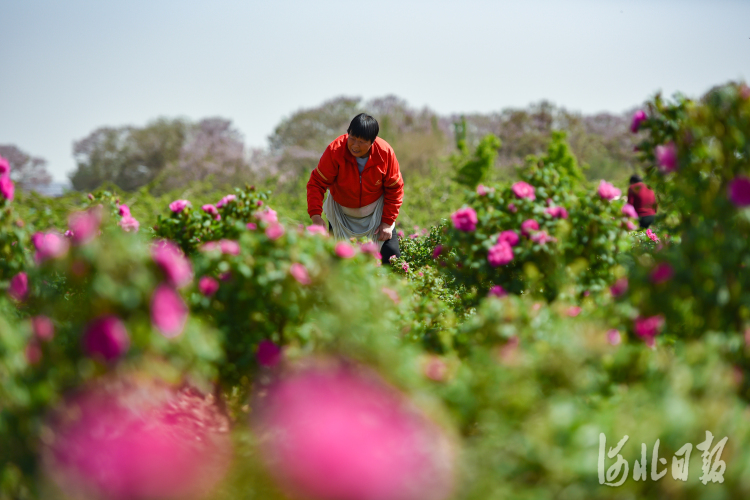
{"x":339,"y":433}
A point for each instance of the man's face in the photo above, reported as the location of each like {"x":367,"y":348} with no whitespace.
{"x":357,"y":146}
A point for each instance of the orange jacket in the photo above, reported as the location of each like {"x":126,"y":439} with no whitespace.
{"x":337,"y":171}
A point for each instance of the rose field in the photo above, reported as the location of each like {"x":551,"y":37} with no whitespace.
{"x":208,"y":345}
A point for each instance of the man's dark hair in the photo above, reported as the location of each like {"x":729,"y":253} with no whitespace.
{"x":364,"y":126}
{"x":635,"y":178}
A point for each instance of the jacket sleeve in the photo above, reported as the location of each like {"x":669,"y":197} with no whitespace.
{"x":394,"y":191}
{"x":321,"y":179}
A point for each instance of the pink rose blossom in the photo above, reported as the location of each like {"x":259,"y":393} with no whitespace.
{"x":225,"y":276}
{"x":19,"y":287}
{"x":179,"y":205}
{"x":484,"y":190}
{"x":413,"y":236}
{"x":275,"y":231}
{"x":437,"y":251}
{"x":68,"y":233}
{"x":500,"y":254}
{"x":229,"y":247}
{"x":662,"y":272}
{"x":269,"y":354}
{"x":607,"y":191}
{"x":106,"y":337}
{"x":619,"y":288}
{"x":7,"y":188}
{"x":528,"y":226}
{"x":369,"y":247}
{"x":573,"y":311}
{"x":168,"y":311}
{"x":464,"y":219}
{"x":739,"y":191}
{"x":123,"y":210}
{"x":211,"y":210}
{"x":638,"y":118}
{"x":510,"y":237}
{"x":435,"y":368}
{"x":90,"y":196}
{"x":226,"y":200}
{"x":497,"y":291}
{"x":268,"y":216}
{"x":85,"y":225}
{"x":652,"y":235}
{"x":666,"y":157}
{"x":208,"y":286}
{"x":4,"y":167}
{"x":400,"y":233}
{"x":392,"y":294}
{"x":338,"y":433}
{"x":172,"y":261}
{"x":259,"y":203}
{"x":42,"y":327}
{"x":210,"y":246}
{"x":512,"y":208}
{"x":49,"y":246}
{"x":648,"y":328}
{"x":129,"y":223}
{"x":252,"y":226}
{"x":523,"y":190}
{"x":345,"y":250}
{"x":405,"y":267}
{"x":631,"y":226}
{"x":315,"y":229}
{"x":542,"y":237}
{"x":629,"y":211}
{"x":557,"y":212}
{"x":613,"y":337}
{"x":299,"y":272}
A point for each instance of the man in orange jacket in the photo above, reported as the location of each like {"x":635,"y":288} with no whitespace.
{"x":366,"y":188}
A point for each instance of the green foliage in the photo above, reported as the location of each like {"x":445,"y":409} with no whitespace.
{"x":471,"y":170}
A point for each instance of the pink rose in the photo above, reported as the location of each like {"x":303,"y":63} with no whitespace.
{"x":211,"y":210}
{"x":7,"y":189}
{"x":497,"y":291}
{"x":315,"y":229}
{"x":630,"y":226}
{"x":613,"y":337}
{"x":523,"y":190}
{"x":299,"y":272}
{"x":269,"y":354}
{"x":226,"y":200}
{"x":638,"y":118}
{"x":666,"y":157}
{"x":123,"y":210}
{"x":413,"y":236}
{"x":85,"y":225}
{"x":405,"y":267}
{"x":512,"y":208}
{"x":400,"y":233}
{"x":557,"y":212}
{"x":648,"y":328}
{"x":274,"y":231}
{"x":484,"y":190}
{"x":607,"y":191}
{"x":528,"y":226}
{"x":510,"y":237}
{"x":739,"y":191}
{"x":344,"y":250}
{"x":168,"y":311}
{"x":437,"y":251}
{"x":392,"y":294}
{"x":178,"y":206}
{"x":542,"y":237}
{"x":268,"y":216}
{"x":573,"y":311}
{"x":107,"y":337}
{"x":369,"y":247}
{"x":500,"y":254}
{"x":129,"y":223}
{"x":465,"y":219}
{"x":259,"y":203}
{"x":435,"y":368}
{"x":19,"y":287}
{"x":208,"y":286}
{"x":42,"y":327}
{"x":619,"y":288}
{"x":252,"y":226}
{"x":4,"y":167}
{"x":628,"y":210}
{"x":662,"y":272}
{"x":652,"y":235}
{"x":229,"y":247}
{"x":171,"y":260}
{"x":49,"y":246}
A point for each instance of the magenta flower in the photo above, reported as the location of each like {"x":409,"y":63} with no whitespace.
{"x":542,"y":237}
{"x":619,"y":288}
{"x":464,"y":219}
{"x":528,"y":226}
{"x":268,"y":216}
{"x":208,"y":286}
{"x":210,"y":246}
{"x":168,"y":311}
{"x":666,"y":157}
{"x":638,"y":118}
{"x":739,"y":191}
{"x":510,"y":237}
{"x":405,"y":267}
{"x":607,"y":191}
{"x":42,"y":327}
{"x":252,"y":226}
{"x":334,"y":433}
{"x":229,"y":247}
{"x":123,"y":210}
{"x":573,"y":311}
{"x":49,"y":246}
{"x":500,"y":254}
{"x":226,"y":200}
{"x":345,"y":250}
{"x":557,"y":212}
{"x":435,"y":368}
{"x":391,"y":294}
{"x":628,"y":210}
{"x":631,"y":226}
{"x":178,"y":206}
{"x":523,"y":190}
{"x":648,"y":328}
{"x":613,"y":337}
{"x":437,"y":251}
{"x":315,"y":229}
{"x":85,"y":225}
{"x":171,"y":260}
{"x":400,"y":233}
{"x":299,"y":272}
{"x":129,"y":223}
{"x":7,"y":189}
{"x":19,"y":287}
{"x":484,"y":190}
{"x":107,"y":337}
{"x":275,"y":231}
{"x":259,"y":203}
{"x":211,"y":210}
{"x":269,"y":354}
{"x":497,"y":291}
{"x":652,"y":235}
{"x":413,"y":236}
{"x":661,"y":273}
{"x":512,"y":208}
{"x":4,"y":167}
{"x":369,"y":247}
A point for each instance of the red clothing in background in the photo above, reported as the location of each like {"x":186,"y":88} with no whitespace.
{"x":642,"y":199}
{"x":338,"y":172}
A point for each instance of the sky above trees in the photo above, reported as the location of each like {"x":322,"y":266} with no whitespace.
{"x":68,"y":68}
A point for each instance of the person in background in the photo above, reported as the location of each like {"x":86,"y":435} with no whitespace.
{"x":643,"y":200}
{"x":366,"y":188}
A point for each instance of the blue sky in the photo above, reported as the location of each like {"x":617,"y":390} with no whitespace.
{"x":69,"y":67}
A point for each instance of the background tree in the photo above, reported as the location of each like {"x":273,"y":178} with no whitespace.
{"x":26,"y":170}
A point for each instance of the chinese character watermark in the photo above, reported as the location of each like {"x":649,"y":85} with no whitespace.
{"x":713,"y":467}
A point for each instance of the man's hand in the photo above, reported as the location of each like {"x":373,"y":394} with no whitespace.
{"x":317,"y":220}
{"x":384,"y":232}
